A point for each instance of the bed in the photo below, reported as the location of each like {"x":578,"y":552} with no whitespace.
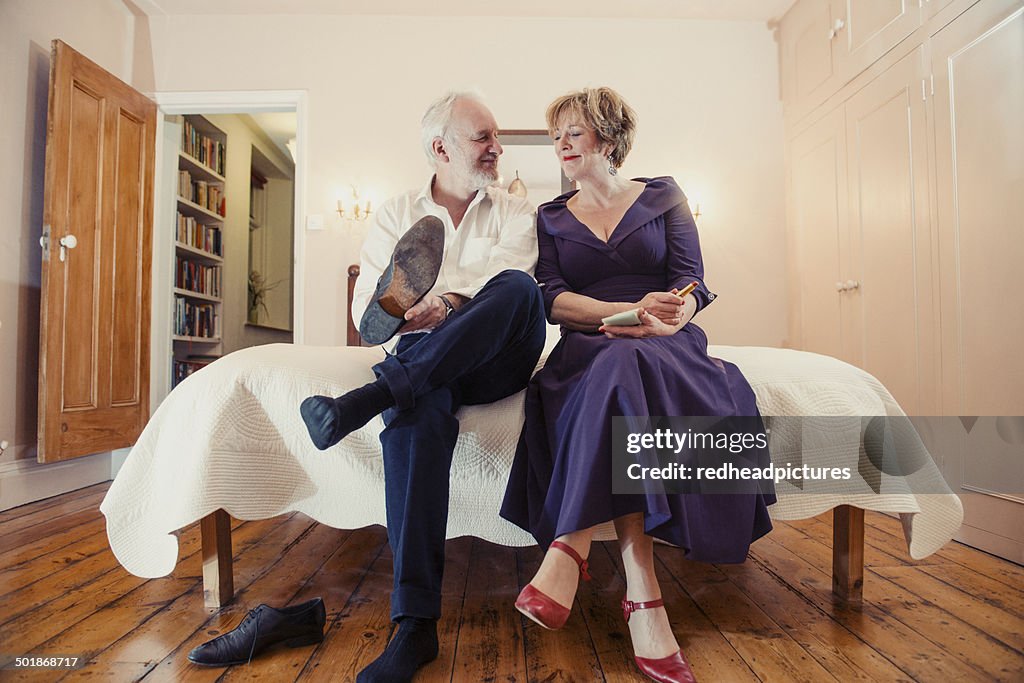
{"x":246,"y":454}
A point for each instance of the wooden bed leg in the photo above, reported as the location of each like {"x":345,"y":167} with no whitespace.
{"x":218,"y":579}
{"x":848,"y":553}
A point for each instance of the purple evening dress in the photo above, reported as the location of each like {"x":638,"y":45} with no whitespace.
{"x":561,"y":478}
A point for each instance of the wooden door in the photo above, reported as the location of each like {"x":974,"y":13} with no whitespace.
{"x":95,"y":299}
{"x":978,"y":65}
{"x":889,"y":302}
{"x":818,"y":226}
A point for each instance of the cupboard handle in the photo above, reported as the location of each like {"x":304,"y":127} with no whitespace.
{"x":840,"y":287}
{"x":852,"y":284}
{"x":836,"y":28}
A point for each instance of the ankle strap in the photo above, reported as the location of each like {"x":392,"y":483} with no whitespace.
{"x":571,"y":552}
{"x":628,"y":606}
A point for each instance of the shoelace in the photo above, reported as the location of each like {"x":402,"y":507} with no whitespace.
{"x":256,"y":635}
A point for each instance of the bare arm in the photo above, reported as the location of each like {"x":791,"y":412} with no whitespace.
{"x":652,"y":326}
{"x":582,"y":313}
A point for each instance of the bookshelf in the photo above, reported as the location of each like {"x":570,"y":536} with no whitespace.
{"x":197,"y":315}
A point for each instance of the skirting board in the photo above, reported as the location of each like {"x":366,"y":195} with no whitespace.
{"x":26,"y":481}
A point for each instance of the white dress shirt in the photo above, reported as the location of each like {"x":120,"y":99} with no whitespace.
{"x":497,"y":233}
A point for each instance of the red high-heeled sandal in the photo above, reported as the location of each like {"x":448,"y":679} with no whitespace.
{"x":541,"y":608}
{"x":671,"y":669}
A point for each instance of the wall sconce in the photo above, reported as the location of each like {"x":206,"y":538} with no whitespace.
{"x":696,"y":210}
{"x":353,"y":209}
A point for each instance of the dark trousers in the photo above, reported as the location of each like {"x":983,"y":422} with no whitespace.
{"x":485,"y":351}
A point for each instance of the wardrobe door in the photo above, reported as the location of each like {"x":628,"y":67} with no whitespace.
{"x":930,"y":8}
{"x":978,"y":65}
{"x":806,"y":42}
{"x":867,"y":29}
{"x":817,"y":187}
{"x":889,"y":299}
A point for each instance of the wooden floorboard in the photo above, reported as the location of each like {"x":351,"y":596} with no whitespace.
{"x":491,"y":638}
{"x":956,"y":615}
{"x":550,"y":653}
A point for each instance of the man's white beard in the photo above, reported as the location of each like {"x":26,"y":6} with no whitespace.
{"x":474,"y":176}
{"x":481,"y":179}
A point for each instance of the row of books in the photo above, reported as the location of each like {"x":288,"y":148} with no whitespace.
{"x":197,"y":277}
{"x":207,"y":195}
{"x":183,"y":368}
{"x":195,"y":234}
{"x":206,"y":150}
{"x":193,"y":319}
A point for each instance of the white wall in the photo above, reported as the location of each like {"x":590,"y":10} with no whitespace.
{"x":706,"y":93}
{"x":103,"y":30}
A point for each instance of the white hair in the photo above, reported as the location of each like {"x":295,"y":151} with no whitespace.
{"x":438,"y":118}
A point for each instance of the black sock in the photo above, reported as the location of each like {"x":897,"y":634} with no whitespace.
{"x":329,"y":420}
{"x":414,"y":645}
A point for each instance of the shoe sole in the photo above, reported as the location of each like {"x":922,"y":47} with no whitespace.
{"x":535,"y":620}
{"x":412,"y":272}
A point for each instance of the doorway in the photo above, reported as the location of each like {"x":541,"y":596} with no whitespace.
{"x":227,"y":257}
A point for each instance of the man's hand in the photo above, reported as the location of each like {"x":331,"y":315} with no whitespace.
{"x":426,"y":315}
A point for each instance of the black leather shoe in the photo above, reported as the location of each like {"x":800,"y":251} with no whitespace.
{"x":413,"y":270}
{"x":263,"y":627}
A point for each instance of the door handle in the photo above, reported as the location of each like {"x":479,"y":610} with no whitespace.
{"x":67,"y":242}
{"x":847,"y":286}
{"x":836,"y":28}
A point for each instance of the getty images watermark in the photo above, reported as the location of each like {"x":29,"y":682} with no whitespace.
{"x":811,"y":455}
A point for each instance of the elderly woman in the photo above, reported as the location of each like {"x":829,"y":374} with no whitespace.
{"x":612,"y":246}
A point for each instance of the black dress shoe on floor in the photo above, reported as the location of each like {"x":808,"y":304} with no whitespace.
{"x":263,"y":627}
{"x":413,"y":270}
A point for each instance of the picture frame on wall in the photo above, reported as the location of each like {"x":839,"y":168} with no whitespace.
{"x":529,"y":156}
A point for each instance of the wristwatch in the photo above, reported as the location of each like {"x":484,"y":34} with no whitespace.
{"x":448,"y":307}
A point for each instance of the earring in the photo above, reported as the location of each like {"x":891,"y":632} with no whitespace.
{"x":611,"y":167}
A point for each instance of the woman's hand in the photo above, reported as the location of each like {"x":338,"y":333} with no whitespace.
{"x":650,"y":326}
{"x":665,"y":306}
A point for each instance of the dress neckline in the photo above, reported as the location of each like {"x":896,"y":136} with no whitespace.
{"x":622,"y":218}
{"x":660,"y":195}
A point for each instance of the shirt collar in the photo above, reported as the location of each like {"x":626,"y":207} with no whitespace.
{"x":425,"y":194}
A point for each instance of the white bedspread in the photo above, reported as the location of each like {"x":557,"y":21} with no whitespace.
{"x":231,"y":437}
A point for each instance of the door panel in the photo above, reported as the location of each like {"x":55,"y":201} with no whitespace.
{"x":873,"y":27}
{"x":891,"y":331}
{"x":978,"y":66}
{"x":94,"y":336}
{"x":81,"y":281}
{"x":818,"y":186}
{"x":806,"y":50}
{"x":127,"y":243}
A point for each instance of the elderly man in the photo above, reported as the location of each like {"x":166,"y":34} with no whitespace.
{"x":473,"y":337}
